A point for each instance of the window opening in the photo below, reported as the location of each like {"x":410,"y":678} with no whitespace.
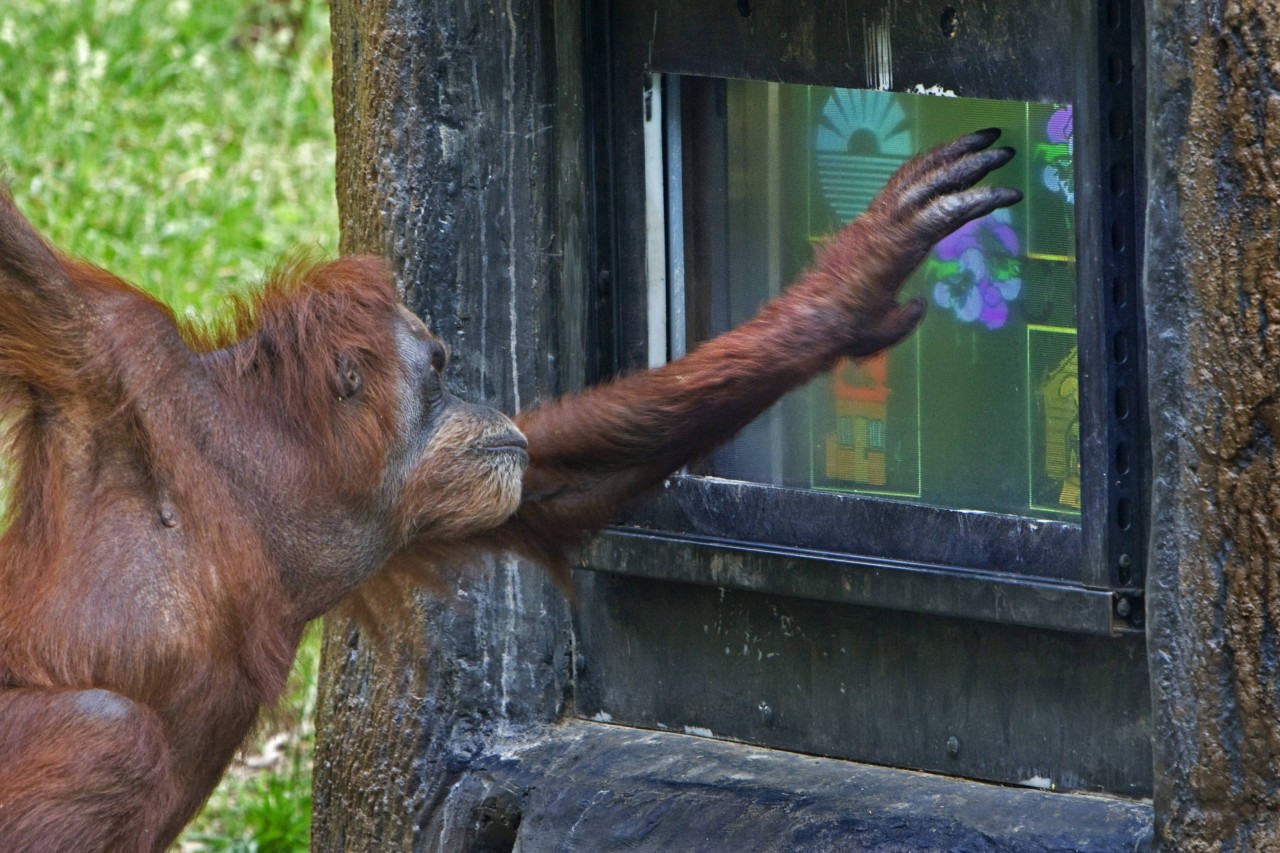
{"x":979,"y":409}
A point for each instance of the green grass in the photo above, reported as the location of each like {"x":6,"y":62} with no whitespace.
{"x":186,"y":146}
{"x":264,"y":803}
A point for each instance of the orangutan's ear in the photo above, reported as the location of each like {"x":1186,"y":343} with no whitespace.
{"x":347,"y":379}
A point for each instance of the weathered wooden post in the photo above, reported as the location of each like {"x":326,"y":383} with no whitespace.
{"x":1213,"y":306}
{"x":447,"y":163}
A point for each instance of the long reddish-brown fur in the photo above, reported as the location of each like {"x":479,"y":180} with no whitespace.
{"x":184,"y":501}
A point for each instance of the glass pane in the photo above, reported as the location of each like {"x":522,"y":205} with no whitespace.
{"x":979,"y":409}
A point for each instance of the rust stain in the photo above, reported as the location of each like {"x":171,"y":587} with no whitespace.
{"x":1230,"y":191}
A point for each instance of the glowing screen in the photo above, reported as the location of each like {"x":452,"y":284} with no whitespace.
{"x":979,"y":410}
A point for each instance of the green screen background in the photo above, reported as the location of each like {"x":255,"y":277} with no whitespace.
{"x":979,"y":409}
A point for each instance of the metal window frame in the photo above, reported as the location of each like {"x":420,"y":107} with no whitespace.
{"x":1084,"y":578}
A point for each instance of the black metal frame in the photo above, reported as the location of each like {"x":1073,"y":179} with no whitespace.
{"x":1084,"y":578}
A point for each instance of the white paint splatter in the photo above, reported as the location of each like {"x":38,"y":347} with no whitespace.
{"x":1041,"y":782}
{"x":698,"y":731}
{"x":450,"y":142}
{"x":921,"y":89}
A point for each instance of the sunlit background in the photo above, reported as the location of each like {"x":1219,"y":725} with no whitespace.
{"x":186,"y":146}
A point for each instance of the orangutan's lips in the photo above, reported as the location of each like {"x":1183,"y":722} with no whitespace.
{"x":511,"y":442}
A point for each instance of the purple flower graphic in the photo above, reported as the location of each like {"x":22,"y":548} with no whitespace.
{"x":977,"y":270}
{"x":1061,"y":126}
{"x":1058,"y":171}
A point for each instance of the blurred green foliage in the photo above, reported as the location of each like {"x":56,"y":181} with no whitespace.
{"x":185,"y":146}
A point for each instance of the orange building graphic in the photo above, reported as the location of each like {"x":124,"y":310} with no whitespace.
{"x":856,"y":450}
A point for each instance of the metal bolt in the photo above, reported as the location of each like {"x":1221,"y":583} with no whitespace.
{"x":953,"y":746}
{"x":766,"y":714}
{"x":1125,"y":561}
{"x":1123,"y":608}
